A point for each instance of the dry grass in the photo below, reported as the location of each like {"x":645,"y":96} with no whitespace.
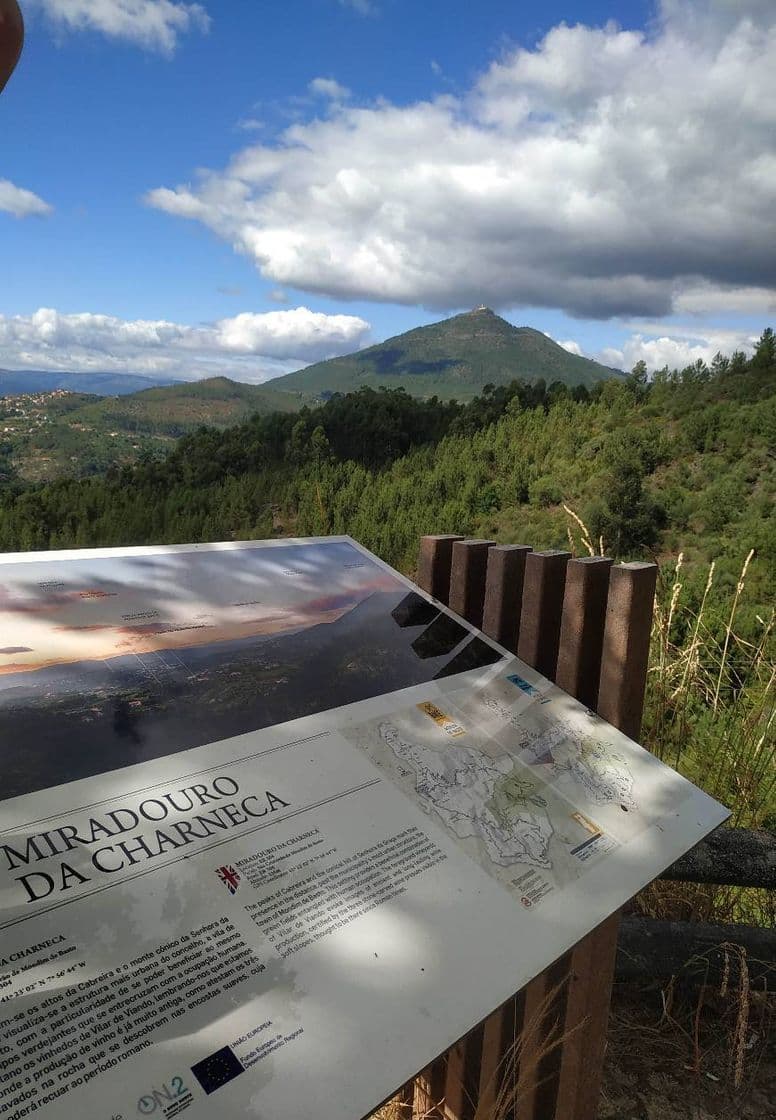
{"x":710,"y":713}
{"x":585,"y":538}
{"x":709,"y":1057}
{"x":516,"y":1076}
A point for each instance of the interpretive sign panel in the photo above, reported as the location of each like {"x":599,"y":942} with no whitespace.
{"x":278,"y":827}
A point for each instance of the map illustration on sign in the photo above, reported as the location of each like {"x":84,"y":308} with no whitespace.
{"x":262,"y":806}
{"x":531,"y":788}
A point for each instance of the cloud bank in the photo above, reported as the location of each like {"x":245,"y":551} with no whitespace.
{"x":683,"y":347}
{"x":254,"y":347}
{"x":152,"y":24}
{"x":605,"y":172}
{"x":248,"y":347}
{"x":20,"y":202}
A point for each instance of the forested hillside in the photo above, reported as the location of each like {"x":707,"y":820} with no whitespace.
{"x":72,"y":434}
{"x":685,"y":461}
{"x":453,"y":359}
{"x":172,"y":411}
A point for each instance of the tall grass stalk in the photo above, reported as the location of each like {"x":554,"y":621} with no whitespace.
{"x":729,"y":629}
{"x":710,"y":712}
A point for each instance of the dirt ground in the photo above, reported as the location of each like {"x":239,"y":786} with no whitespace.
{"x":676,"y":1058}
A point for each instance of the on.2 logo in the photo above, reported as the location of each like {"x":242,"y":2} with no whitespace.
{"x":160,"y":1098}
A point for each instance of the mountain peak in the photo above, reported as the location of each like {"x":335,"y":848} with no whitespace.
{"x":453,"y":358}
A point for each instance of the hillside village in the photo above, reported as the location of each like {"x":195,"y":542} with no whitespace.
{"x":22,"y":413}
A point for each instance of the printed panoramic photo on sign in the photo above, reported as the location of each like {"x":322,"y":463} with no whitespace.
{"x":118,"y":659}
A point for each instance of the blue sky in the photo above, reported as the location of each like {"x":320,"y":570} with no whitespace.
{"x":244,"y":187}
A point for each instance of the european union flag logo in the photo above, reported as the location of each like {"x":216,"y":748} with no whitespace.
{"x":215,"y":1071}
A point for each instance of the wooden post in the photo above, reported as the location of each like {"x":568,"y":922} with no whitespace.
{"x":626,"y":646}
{"x":624,"y":658}
{"x":504,"y":593}
{"x":494,"y":1045}
{"x":577,"y":672}
{"x":454,"y":1106}
{"x":405,"y":1099}
{"x":545,"y":578}
{"x":424,"y":1104}
{"x":435,"y":565}
{"x":467,"y":579}
{"x":436,"y":553}
{"x":585,"y":625}
{"x":582,"y":628}
{"x":539,"y":634}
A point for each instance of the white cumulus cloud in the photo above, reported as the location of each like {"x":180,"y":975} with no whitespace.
{"x":572,"y":347}
{"x":248,"y":347}
{"x":152,"y":24}
{"x":682,"y":347}
{"x":329,"y":87}
{"x":20,"y":202}
{"x":607,"y":172}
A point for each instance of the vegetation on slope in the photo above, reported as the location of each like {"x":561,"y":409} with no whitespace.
{"x":84,"y":435}
{"x":178,"y":409}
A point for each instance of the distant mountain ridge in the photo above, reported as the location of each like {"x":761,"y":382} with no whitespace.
{"x":16,"y":381}
{"x":456,"y":357}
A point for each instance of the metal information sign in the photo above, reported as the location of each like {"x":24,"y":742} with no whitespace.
{"x":277,"y":829}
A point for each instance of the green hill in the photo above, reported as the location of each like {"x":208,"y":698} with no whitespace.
{"x":175,"y":409}
{"x":76,"y":434}
{"x":455,"y":358}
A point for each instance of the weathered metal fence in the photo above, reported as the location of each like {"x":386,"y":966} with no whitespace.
{"x":585,"y":624}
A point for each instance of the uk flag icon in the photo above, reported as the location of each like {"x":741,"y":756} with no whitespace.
{"x":229,"y":877}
